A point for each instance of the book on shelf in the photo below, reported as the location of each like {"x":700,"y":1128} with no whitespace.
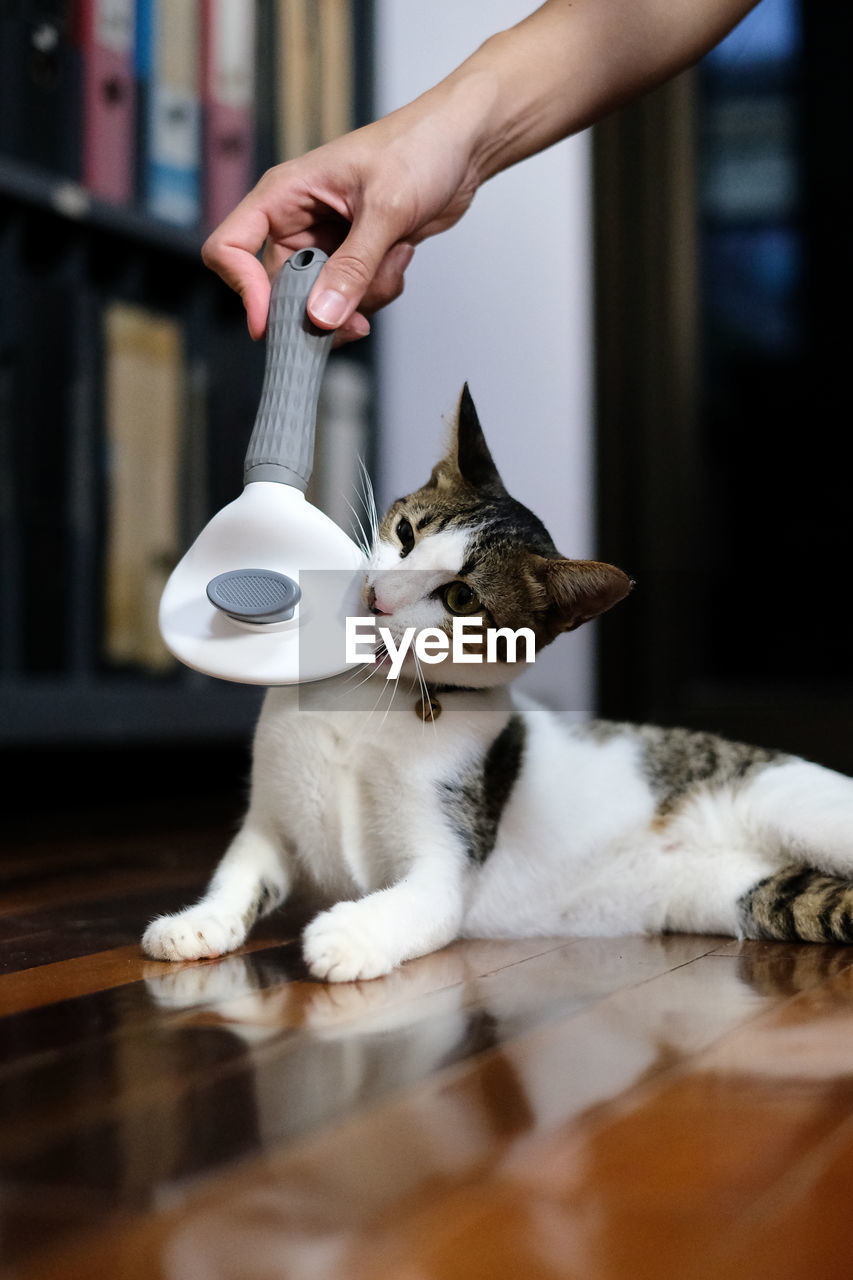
{"x":107,"y":36}
{"x":144,"y":410}
{"x":338,"y":67}
{"x":228,"y":29}
{"x":40,"y":90}
{"x":265,"y":139}
{"x":143,"y":40}
{"x":314,"y":90}
{"x":168,"y":67}
{"x":298,"y":75}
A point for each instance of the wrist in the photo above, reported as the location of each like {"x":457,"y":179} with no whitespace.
{"x":499,"y":106}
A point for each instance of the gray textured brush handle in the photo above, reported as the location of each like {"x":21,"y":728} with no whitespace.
{"x":281,"y":446}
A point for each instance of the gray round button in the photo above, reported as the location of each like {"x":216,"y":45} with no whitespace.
{"x":254,"y":595}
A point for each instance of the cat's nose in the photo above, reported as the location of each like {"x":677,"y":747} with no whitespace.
{"x":374,"y":604}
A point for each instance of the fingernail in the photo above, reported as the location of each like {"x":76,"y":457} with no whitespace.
{"x":329,"y":308}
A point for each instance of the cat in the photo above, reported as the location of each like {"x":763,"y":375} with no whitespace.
{"x":444,"y":804}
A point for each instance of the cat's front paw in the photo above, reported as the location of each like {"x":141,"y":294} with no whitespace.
{"x":341,"y":946}
{"x":194,"y":934}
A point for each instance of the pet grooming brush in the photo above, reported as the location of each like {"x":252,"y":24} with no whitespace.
{"x":262,"y":595}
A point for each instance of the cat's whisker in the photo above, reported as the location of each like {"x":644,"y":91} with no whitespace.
{"x":358,"y":530}
{"x":371,"y":712}
{"x":369,"y":500}
{"x":363,"y":541}
{"x":354,"y":680}
{"x":365,"y":720}
{"x":395,"y":684}
{"x":357,"y":683}
{"x":423,"y":686}
{"x":367,"y":485}
{"x":368,"y":668}
{"x":370,"y":672}
{"x":380,"y":652}
{"x":360,"y":674}
{"x":426,"y":700}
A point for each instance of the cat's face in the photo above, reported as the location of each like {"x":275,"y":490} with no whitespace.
{"x":461,"y":547}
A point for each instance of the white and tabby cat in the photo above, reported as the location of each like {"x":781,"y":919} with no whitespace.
{"x":485,"y":816}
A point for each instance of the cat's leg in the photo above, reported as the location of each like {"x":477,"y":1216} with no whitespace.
{"x":702,"y":889}
{"x":252,"y":879}
{"x":419,"y":913}
{"x":799,"y":818}
{"x":805,"y":813}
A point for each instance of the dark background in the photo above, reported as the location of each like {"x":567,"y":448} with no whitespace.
{"x":724,"y":270}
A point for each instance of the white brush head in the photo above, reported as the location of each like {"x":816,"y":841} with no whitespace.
{"x":270,"y":526}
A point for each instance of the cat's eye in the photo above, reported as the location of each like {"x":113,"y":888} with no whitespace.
{"x":406,"y":534}
{"x":460,"y":599}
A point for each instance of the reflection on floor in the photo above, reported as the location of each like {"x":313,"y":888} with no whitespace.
{"x":604,"y":1109}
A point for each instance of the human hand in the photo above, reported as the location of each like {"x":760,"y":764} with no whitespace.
{"x":366,"y":199}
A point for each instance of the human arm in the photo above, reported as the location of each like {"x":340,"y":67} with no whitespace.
{"x":367,"y":198}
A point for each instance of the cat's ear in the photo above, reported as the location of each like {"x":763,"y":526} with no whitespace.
{"x":579,"y":590}
{"x":473,"y":460}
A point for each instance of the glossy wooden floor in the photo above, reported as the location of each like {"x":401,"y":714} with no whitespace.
{"x":609,"y":1110}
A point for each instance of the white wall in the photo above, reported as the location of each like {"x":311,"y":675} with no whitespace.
{"x":502,"y":300}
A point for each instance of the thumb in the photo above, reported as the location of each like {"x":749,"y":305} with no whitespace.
{"x":347,"y":276}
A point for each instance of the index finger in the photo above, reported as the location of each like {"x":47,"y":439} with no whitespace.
{"x":230,"y":250}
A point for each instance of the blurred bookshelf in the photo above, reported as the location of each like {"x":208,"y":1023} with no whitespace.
{"x":723,"y":387}
{"x":128,"y":382}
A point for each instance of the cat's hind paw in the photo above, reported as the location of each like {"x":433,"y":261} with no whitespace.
{"x":194,"y":934}
{"x":340,"y":945}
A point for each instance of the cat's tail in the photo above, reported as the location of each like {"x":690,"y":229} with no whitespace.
{"x":798,"y":904}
